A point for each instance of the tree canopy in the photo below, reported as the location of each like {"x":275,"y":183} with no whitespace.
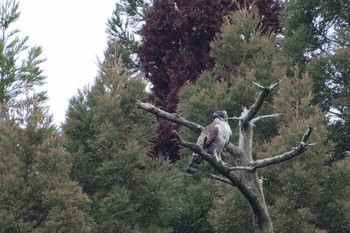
{"x":317,"y":40}
{"x":17,"y":77}
{"x":100,"y":172}
{"x":175,"y":47}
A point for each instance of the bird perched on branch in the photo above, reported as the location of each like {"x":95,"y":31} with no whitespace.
{"x":213,"y":139}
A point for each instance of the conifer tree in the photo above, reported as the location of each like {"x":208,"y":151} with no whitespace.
{"x":242,"y":56}
{"x":37,"y":194}
{"x":297,"y":191}
{"x":101,"y":121}
{"x":124,"y":28}
{"x":229,"y":86}
{"x":317,"y":40}
{"x":108,"y":141}
{"x":174,"y":50}
{"x":17,"y":77}
{"x":331,"y":72}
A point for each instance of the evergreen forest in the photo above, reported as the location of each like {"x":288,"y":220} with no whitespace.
{"x":114,"y":167}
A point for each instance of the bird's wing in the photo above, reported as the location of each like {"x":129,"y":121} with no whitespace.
{"x":211,"y":135}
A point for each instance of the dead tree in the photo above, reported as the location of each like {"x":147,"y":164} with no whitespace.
{"x":247,"y":180}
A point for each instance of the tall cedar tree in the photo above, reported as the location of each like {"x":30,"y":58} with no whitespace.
{"x":37,"y":194}
{"x":108,"y":140}
{"x":175,"y":49}
{"x":242,"y":56}
{"x":124,"y":27}
{"x":304,"y":191}
{"x":17,"y":77}
{"x":303,"y":194}
{"x":101,"y":120}
{"x":317,"y":39}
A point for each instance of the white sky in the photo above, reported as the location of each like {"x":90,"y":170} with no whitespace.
{"x":72,"y":35}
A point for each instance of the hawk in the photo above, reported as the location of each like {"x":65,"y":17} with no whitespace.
{"x":213,"y":139}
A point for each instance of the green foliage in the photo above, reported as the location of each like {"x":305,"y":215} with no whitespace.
{"x":123,"y":28}
{"x":36,"y":191}
{"x":300,"y":35}
{"x":240,"y":48}
{"x":290,"y":219}
{"x":141,"y":197}
{"x":294,"y":97}
{"x":331,"y":74}
{"x":297,"y":194}
{"x":316,"y":38}
{"x":17,"y":77}
{"x":334,"y":205}
{"x":36,"y":194}
{"x":243,"y":56}
{"x":295,"y":190}
{"x":101,"y":120}
{"x":313,"y":28}
{"x":230,"y":213}
{"x":193,"y":205}
{"x":143,"y":205}
{"x":108,"y":141}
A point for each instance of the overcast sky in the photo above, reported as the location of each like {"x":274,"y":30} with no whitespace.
{"x":72,"y":34}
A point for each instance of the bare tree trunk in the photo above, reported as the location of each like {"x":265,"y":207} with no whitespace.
{"x":244,"y":175}
{"x":261,"y":219}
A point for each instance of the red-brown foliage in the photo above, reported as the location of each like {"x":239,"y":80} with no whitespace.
{"x":175,"y":49}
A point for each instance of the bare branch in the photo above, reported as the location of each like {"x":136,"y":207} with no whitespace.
{"x":235,"y":151}
{"x":307,"y":134}
{"x":256,"y":119}
{"x":259,"y":101}
{"x":301,"y":148}
{"x":195,"y":148}
{"x":234,"y":118}
{"x":258,"y":85}
{"x":232,"y":179}
{"x":222,"y":179}
{"x":171,"y":117}
{"x":248,"y":168}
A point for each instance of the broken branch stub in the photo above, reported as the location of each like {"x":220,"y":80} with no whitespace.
{"x":258,"y":102}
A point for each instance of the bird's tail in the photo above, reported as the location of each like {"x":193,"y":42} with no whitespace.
{"x":195,"y":161}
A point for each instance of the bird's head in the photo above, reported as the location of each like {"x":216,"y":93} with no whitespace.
{"x":222,"y":115}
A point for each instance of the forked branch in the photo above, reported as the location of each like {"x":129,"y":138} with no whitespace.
{"x":302,"y":147}
{"x":258,"y":102}
{"x":226,"y":175}
{"x":244,"y":176}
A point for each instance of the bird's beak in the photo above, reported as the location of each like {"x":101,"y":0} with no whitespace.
{"x":216,"y":114}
